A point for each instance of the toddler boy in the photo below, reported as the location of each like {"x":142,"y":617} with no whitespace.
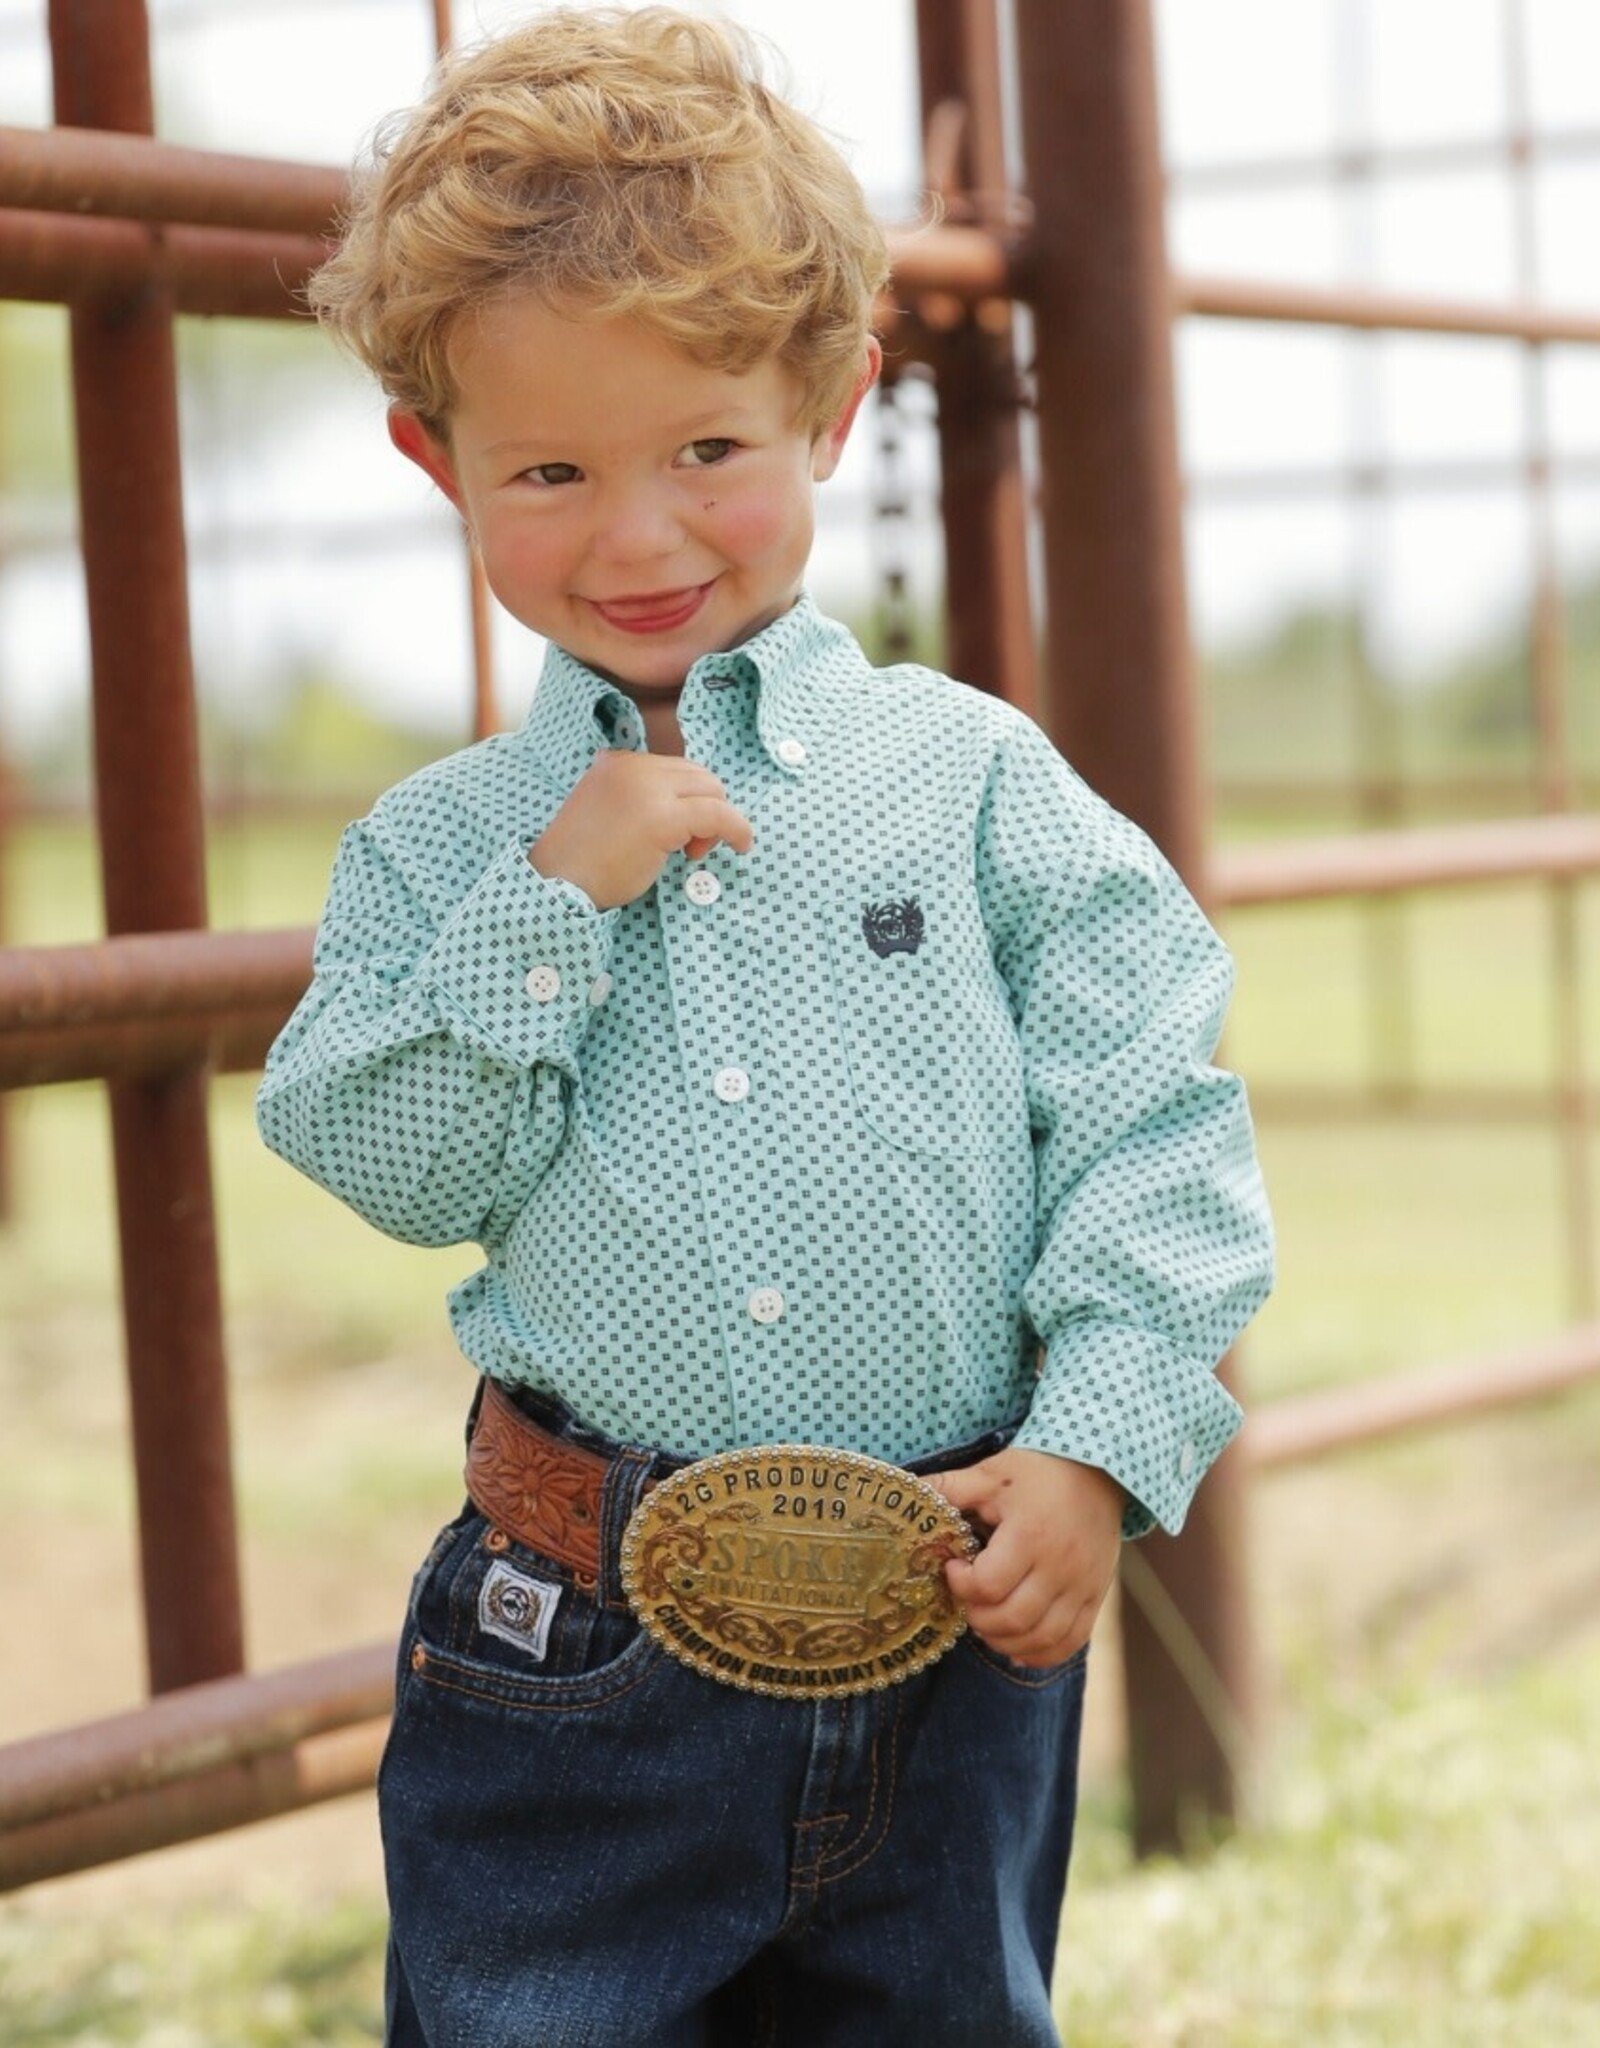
{"x":804,"y":1044}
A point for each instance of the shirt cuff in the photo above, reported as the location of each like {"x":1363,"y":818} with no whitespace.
{"x":1131,"y":1403}
{"x":520,"y":966}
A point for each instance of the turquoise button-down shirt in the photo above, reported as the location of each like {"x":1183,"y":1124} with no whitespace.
{"x":898,"y":1127}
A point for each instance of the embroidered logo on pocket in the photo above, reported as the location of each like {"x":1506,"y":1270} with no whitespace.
{"x":892,"y":927}
{"x":517,"y":1609}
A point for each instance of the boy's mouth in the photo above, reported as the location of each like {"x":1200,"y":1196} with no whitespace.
{"x":657,"y":611}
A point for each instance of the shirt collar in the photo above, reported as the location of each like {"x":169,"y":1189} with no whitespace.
{"x":801,"y":665}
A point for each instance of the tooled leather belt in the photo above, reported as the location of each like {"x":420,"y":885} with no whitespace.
{"x":541,"y":1489}
{"x":798,"y":1570}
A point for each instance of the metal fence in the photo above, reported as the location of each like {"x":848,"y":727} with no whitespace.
{"x":1059,"y":310}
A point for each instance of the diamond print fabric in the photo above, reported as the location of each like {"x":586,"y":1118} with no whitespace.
{"x":819,"y":1142}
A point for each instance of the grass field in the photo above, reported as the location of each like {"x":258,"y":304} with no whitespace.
{"x":1417,"y":1864}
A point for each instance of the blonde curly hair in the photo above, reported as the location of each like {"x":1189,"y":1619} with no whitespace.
{"x":619,"y":163}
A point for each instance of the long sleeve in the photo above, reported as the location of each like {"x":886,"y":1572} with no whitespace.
{"x":423,"y":1076}
{"x":1153,"y":1239}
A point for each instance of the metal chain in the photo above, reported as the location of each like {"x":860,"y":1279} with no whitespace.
{"x":891,"y":513}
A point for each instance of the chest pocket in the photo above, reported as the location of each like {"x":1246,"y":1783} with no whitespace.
{"x":934,"y":1060}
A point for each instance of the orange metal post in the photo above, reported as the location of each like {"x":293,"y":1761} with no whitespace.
{"x":147,"y":787}
{"x":1118,"y":697}
{"x":982,"y":497}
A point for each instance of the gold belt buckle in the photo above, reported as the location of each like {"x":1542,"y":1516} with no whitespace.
{"x":796,"y":1570}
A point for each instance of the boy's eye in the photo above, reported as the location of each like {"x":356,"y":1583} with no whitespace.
{"x":553,"y":472}
{"x":707,"y":452}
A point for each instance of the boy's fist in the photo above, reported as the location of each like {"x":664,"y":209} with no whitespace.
{"x":627,"y":813}
{"x":1055,"y":1534}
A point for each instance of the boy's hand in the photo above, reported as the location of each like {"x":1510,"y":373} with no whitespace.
{"x":626,"y":814}
{"x":1033,"y":1592}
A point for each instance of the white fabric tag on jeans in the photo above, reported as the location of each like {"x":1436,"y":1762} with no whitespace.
{"x":516,"y":1608}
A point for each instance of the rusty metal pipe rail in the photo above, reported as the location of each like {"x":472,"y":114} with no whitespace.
{"x":214,"y":1756}
{"x":149,"y":1002}
{"x":195,"y":1729}
{"x":146,"y":1003}
{"x":1485,"y":1103}
{"x":1360,"y":479}
{"x":200,"y":1759}
{"x":1298,"y":1427}
{"x":141,"y":1050}
{"x":76,"y":172}
{"x":1424,"y":856}
{"x":54,"y":259}
{"x":148,"y":974}
{"x":51,"y":259}
{"x":132,"y":178}
{"x":1516,"y":145}
{"x":60,"y":172}
{"x":1229,"y":298}
{"x":330,"y":1766}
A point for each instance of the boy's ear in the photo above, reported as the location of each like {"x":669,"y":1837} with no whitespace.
{"x":413,"y":439}
{"x":829,"y":444}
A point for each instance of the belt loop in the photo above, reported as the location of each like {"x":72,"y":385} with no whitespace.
{"x":619,"y":1496}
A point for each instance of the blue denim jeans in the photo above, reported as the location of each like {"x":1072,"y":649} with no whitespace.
{"x":588,"y":1845}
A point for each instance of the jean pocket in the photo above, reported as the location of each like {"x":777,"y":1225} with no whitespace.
{"x":502,"y":1622}
{"x":1031,"y":1677}
{"x":925,"y":1023}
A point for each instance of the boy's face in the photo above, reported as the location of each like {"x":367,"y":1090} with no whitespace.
{"x":634,"y":505}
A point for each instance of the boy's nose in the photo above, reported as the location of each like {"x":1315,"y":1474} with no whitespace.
{"x":640,"y":528}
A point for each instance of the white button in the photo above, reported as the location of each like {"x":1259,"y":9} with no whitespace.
{"x":700,"y":885}
{"x":600,"y":988}
{"x":791,"y":751}
{"x":766,"y":1304}
{"x":543,"y":983}
{"x":732,"y":1084}
{"x":1186,"y":1460}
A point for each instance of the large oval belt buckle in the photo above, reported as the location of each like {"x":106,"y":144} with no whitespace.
{"x":796,"y":1570}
